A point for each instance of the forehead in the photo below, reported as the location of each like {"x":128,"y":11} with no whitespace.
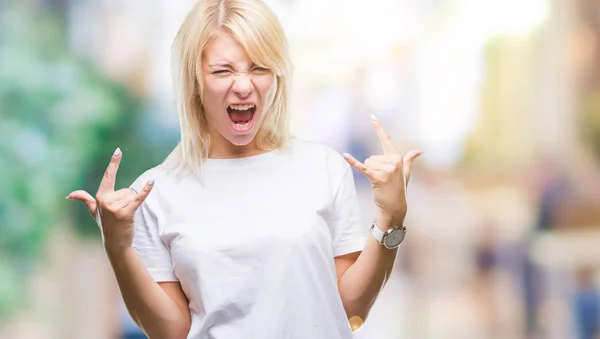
{"x":224,"y":48}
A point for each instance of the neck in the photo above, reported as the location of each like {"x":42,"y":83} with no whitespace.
{"x":227,"y":150}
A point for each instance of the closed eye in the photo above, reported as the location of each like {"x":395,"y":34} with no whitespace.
{"x":261,"y":69}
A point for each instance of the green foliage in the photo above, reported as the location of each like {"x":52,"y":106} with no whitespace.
{"x":60,"y":121}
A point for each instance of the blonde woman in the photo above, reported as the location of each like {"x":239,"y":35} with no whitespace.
{"x":244,"y":232}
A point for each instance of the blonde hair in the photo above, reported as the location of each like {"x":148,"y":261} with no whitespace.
{"x":257,"y":29}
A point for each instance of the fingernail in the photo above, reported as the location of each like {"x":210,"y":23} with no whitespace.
{"x":151,"y":182}
{"x":117,"y":152}
{"x":346,"y":155}
{"x":67,"y":197}
{"x":373,"y":117}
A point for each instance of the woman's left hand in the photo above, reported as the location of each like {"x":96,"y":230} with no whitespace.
{"x":389,"y":174}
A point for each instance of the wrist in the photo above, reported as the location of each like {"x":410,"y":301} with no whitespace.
{"x":115,"y":252}
{"x":386,"y":222}
{"x":121,"y":258}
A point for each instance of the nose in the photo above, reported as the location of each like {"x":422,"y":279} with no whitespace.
{"x":242,"y":86}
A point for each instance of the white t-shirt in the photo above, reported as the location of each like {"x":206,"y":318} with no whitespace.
{"x":253,"y":245}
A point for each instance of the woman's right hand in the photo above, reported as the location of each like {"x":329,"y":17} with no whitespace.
{"x":114,"y":210}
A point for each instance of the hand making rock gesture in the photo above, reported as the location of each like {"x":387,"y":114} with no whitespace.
{"x":114,"y":210}
{"x":389,"y":174}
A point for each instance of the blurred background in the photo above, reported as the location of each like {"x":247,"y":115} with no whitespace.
{"x":502,"y":95}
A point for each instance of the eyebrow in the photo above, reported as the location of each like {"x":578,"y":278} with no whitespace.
{"x":225,"y":64}
{"x":220,"y":64}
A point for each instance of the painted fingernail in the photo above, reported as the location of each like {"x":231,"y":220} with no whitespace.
{"x":151,"y":182}
{"x":373,"y":117}
{"x":346,"y":155}
{"x":117,"y":152}
{"x":355,"y":322}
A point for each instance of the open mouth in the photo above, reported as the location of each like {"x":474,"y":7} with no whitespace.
{"x":241,"y":117}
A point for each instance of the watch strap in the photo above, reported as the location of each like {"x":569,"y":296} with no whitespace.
{"x":377,"y":233}
{"x":380,"y":235}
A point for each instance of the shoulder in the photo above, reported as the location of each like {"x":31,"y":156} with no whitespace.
{"x":311,"y":150}
{"x":164,"y":179}
{"x":165,"y":190}
{"x":143,"y":178}
{"x":318,"y":156}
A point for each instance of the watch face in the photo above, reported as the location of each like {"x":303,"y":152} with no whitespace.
{"x":394,"y":238}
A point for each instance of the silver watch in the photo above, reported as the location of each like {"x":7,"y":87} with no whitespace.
{"x":391,"y":238}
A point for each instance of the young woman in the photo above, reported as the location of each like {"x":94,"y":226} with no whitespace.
{"x":244,"y":232}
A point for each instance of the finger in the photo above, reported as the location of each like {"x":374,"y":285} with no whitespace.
{"x":384,"y":159}
{"x":407,"y":162}
{"x":86,"y":199}
{"x":123,"y":194}
{"x":376,"y":162}
{"x":384,"y":138}
{"x":140,"y":197}
{"x":121,"y":198}
{"x":108,"y":181}
{"x":359,"y":166}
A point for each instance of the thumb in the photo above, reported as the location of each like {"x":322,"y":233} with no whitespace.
{"x":407,"y":162}
{"x":359,"y":166}
{"x":86,"y":199}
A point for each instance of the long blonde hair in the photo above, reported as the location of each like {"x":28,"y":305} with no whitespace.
{"x":257,"y":29}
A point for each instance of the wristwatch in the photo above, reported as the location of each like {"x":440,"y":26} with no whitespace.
{"x":391,"y":238}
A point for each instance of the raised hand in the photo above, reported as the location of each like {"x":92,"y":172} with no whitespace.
{"x":389,"y":174}
{"x":114,"y":210}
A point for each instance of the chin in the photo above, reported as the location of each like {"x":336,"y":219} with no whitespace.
{"x":241,"y":140}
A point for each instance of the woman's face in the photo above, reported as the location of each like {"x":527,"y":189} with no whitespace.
{"x":236,"y":96}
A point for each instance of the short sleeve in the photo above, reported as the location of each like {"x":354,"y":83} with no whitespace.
{"x":147,"y":240}
{"x":348,"y":233}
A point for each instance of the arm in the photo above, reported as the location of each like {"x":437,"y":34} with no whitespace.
{"x":362,"y":275}
{"x":159,"y":309}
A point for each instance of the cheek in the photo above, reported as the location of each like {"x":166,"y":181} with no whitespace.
{"x":214,"y":94}
{"x":267,"y":87}
{"x":216,"y":87}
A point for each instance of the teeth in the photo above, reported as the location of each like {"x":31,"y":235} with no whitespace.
{"x":241,"y":107}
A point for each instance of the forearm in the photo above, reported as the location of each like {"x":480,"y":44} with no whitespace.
{"x":148,"y":304}
{"x":360,"y":285}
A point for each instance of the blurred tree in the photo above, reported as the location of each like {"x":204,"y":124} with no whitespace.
{"x":60,"y":121}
